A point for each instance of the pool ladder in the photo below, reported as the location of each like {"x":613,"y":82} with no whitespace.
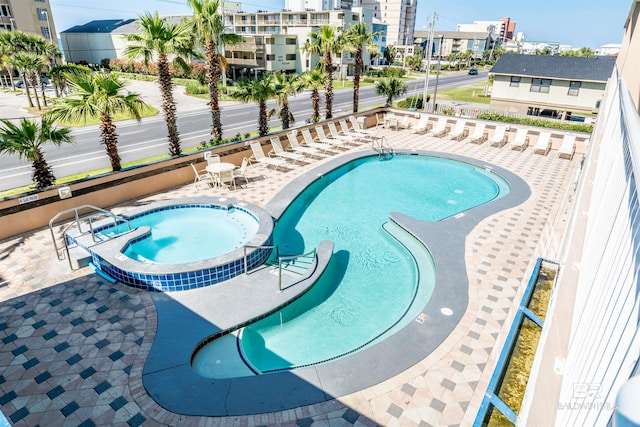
{"x":381,"y":145}
{"x":284,"y":263}
{"x":77,"y":221}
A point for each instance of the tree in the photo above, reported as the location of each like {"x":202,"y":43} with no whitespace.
{"x":99,"y":95}
{"x":285,"y":85}
{"x":414,"y":61}
{"x":160,"y":39}
{"x":26,"y":140}
{"x":583,"y":51}
{"x":314,"y":80}
{"x":27,"y":64}
{"x":391,"y":88}
{"x":61,"y":74}
{"x":389,"y":54}
{"x":207,"y":24}
{"x":257,"y":90}
{"x":325,"y":43}
{"x":359,"y":37}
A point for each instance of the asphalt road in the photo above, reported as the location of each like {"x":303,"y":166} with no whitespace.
{"x":147,"y":139}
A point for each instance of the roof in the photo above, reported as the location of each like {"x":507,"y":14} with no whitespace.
{"x":99,"y":26}
{"x":598,"y":68}
{"x":462,"y":35}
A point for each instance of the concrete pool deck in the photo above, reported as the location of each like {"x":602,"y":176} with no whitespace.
{"x":74,"y":346}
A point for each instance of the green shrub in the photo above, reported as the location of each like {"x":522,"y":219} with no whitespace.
{"x":367,"y":80}
{"x":414,"y":101}
{"x":572,"y":127}
{"x":195,"y":88}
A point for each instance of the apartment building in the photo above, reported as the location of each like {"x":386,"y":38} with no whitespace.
{"x":455,"y":42}
{"x":273,"y":41}
{"x":29,"y":16}
{"x":503,"y":29}
{"x":399,"y":15}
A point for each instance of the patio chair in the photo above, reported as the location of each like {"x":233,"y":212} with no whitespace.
{"x":241,"y":172}
{"x":440,"y":128}
{"x":335,"y":134}
{"x":404,"y":123}
{"x":322,"y":138}
{"x":227,"y":178}
{"x":310,"y":142}
{"x":422,"y":125}
{"x":479,"y":134}
{"x":351,"y":133}
{"x":543,"y":144}
{"x":357,"y":129}
{"x":499,"y":137}
{"x":521,"y":141}
{"x":212,"y":158}
{"x":202,"y":176}
{"x":568,"y":146}
{"x":259,"y":157}
{"x":295,"y":146}
{"x":277,"y":150}
{"x":460,"y":131}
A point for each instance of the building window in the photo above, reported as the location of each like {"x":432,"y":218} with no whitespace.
{"x":574,"y":88}
{"x":291,"y":56}
{"x":270,"y":40}
{"x":271,"y":57}
{"x":46,"y":32}
{"x":4,"y":10}
{"x":39,"y":1}
{"x":291,"y":41}
{"x":42,"y":14}
{"x":515,"y":81}
{"x":540,"y":85}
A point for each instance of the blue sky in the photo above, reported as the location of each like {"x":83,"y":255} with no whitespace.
{"x":578,"y":23}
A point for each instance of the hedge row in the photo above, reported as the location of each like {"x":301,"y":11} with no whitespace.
{"x":572,"y":127}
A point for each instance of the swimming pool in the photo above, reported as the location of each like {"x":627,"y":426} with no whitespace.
{"x":181,"y":245}
{"x":372,"y":282}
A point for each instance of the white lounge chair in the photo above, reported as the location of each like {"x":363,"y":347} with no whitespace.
{"x":422,"y":125}
{"x":278,"y":150}
{"x":202,"y":176}
{"x":568,"y":146}
{"x":362,"y":136}
{"x":259,"y":157}
{"x":521,"y":141}
{"x":479,"y":134}
{"x":309,"y":142}
{"x":295,"y":146}
{"x":404,"y":122}
{"x":335,"y":134}
{"x":460,"y":131}
{"x":440,"y":128}
{"x":356,"y":127}
{"x":499,"y":137}
{"x":543,"y":144}
{"x":322,"y":138}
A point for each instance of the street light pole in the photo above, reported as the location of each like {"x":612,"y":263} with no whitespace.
{"x":46,"y":15}
{"x":426,"y":75}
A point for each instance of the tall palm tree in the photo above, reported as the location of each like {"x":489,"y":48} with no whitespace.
{"x":314,"y":80}
{"x":257,"y":90}
{"x":391,"y":88}
{"x":286,"y":85}
{"x":99,"y":95}
{"x":160,"y":39}
{"x":207,"y":24}
{"x":325,"y":43}
{"x":48,"y":52}
{"x":359,"y":38}
{"x":26,"y":140}
{"x":27,"y":64}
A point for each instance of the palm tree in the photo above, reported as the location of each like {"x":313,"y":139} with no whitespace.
{"x":389,"y":54}
{"x":325,"y":43}
{"x":27,"y":64}
{"x":207,"y":24}
{"x":47,"y":52}
{"x":358,"y":36}
{"x":284,"y":86}
{"x":257,"y":90}
{"x":391,"y":88}
{"x":99,"y":95}
{"x":26,"y":140}
{"x":160,"y":39}
{"x":314,"y":80}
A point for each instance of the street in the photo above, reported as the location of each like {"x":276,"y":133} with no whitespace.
{"x":148,"y":139}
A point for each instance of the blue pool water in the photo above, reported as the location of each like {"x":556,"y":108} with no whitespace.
{"x":190,"y":233}
{"x":371,"y":281}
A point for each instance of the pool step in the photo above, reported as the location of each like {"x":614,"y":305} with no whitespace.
{"x":296,"y":266}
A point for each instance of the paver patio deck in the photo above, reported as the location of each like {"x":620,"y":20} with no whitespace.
{"x":73,"y":345}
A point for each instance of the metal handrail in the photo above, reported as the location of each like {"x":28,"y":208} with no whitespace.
{"x":77,"y":221}
{"x":381,"y":144}
{"x":286,"y":258}
{"x":244,"y":248}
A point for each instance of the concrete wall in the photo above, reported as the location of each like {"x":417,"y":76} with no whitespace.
{"x":628,"y":59}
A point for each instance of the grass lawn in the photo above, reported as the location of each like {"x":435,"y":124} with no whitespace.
{"x":466,"y":94}
{"x":147,"y":112}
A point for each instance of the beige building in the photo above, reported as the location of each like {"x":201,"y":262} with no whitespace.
{"x":273,"y":41}
{"x":29,"y":16}
{"x":549,"y":85}
{"x":456,"y":42}
{"x":399,"y":15}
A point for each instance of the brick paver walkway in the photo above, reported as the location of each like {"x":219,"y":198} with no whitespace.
{"x":73,"y":345}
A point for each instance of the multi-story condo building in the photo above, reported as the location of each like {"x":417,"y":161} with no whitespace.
{"x":30,"y":16}
{"x":318,"y":4}
{"x":273,"y":41}
{"x":503,"y":29}
{"x":399,"y":15}
{"x":455,"y":42}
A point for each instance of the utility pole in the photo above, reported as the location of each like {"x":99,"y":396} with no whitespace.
{"x":426,"y":75}
{"x":435,"y":91}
